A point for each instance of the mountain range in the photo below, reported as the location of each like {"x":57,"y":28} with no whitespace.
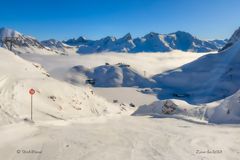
{"x":152,"y":42}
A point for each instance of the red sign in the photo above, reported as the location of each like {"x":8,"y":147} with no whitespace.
{"x":32,"y":91}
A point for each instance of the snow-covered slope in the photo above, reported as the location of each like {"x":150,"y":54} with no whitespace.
{"x":53,"y":99}
{"x":211,"y":77}
{"x":19,"y":43}
{"x":119,"y":75}
{"x":152,"y":42}
{"x":228,"y":111}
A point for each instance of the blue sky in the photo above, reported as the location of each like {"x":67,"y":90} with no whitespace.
{"x":63,"y":19}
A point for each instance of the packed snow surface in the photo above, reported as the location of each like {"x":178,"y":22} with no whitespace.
{"x":129,"y":138}
{"x":125,"y":95}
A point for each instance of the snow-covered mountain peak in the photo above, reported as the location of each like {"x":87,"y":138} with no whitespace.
{"x":233,"y":39}
{"x":127,"y":37}
{"x":20,"y":43}
{"x":6,"y":32}
{"x":82,"y":39}
{"x":236,"y":36}
{"x":58,"y":46}
{"x":76,"y":42}
{"x":109,"y":38}
{"x":184,"y":35}
{"x":151,"y":35}
{"x":52,"y":43}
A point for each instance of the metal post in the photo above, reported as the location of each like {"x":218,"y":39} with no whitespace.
{"x":31,"y":108}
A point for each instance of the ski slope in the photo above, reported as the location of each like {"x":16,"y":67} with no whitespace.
{"x":129,"y":138}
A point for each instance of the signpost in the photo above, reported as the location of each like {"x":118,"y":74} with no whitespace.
{"x":31,"y":92}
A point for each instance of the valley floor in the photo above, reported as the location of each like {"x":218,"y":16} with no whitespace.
{"x":126,"y":95}
{"x":118,"y":138}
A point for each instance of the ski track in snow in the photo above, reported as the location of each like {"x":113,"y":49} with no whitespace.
{"x":116,"y":138}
